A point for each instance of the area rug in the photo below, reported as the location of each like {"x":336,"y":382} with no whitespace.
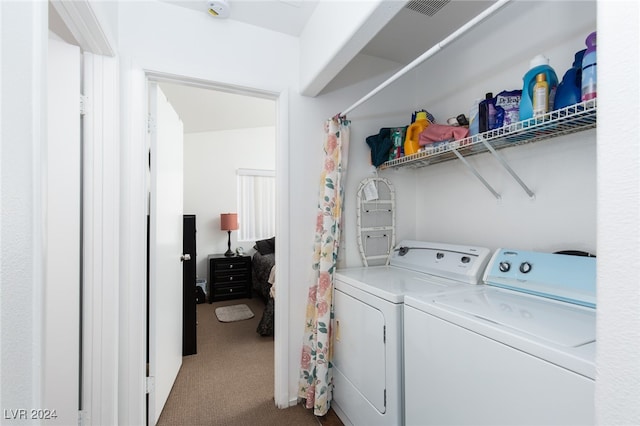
{"x":233,"y":313}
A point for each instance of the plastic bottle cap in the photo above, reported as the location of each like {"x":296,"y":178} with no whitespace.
{"x":421,"y":116}
{"x":538,"y":60}
{"x":541,"y":77}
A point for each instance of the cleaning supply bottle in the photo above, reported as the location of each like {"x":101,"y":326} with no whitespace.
{"x":539,"y":64}
{"x":570,"y":88}
{"x":589,"y":68}
{"x":412,"y":140}
{"x":474,"y":128}
{"x":487,"y":113}
{"x":540,"y":95}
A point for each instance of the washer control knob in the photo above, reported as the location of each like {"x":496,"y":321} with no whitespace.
{"x":439,"y":255}
{"x":525,"y":267}
{"x":465,"y":259}
{"x":504,"y":266}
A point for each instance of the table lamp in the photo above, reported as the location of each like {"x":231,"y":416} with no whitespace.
{"x":228,"y":222}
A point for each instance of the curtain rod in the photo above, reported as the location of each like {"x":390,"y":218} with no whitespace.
{"x":426,"y":55}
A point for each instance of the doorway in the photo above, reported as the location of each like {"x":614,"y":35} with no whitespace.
{"x":177,"y":89}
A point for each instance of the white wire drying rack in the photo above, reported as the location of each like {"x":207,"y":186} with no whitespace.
{"x":571,"y":119}
{"x":376,"y":218}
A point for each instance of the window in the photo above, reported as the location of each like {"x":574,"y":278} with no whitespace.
{"x":256,"y":204}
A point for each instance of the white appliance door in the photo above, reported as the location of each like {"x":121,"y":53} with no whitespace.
{"x":359,"y":349}
{"x":165,"y":249}
{"x":454,"y":376}
{"x":62,"y":290}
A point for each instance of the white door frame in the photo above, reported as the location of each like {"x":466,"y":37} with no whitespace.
{"x":101,"y":247}
{"x":281,"y":323}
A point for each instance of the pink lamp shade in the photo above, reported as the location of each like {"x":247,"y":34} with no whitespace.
{"x":228,"y":221}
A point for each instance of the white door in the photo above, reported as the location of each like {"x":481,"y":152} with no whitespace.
{"x":165,"y":250}
{"x":61,"y":293}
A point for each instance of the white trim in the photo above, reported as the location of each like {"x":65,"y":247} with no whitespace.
{"x":101,"y":251}
{"x":81,"y":20}
{"x":133,"y":246}
{"x":281,"y":321}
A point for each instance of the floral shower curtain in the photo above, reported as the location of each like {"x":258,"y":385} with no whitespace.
{"x":315,"y":367}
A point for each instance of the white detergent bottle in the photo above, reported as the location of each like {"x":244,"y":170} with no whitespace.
{"x":474,"y":128}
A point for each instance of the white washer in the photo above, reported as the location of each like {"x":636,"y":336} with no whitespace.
{"x":517,"y":351}
{"x":368,"y":324}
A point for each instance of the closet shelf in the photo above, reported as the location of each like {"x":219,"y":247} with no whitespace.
{"x":572,"y":119}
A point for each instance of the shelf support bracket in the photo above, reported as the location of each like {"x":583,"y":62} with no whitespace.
{"x":506,"y":166}
{"x":477,"y":175}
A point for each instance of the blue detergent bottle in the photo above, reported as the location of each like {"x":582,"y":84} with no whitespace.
{"x":569,"y":89}
{"x":539,"y":64}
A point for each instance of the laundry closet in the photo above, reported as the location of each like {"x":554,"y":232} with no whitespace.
{"x":446,"y":201}
{"x":527,"y":193}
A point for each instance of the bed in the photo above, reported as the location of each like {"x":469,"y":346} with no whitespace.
{"x":263,"y":276}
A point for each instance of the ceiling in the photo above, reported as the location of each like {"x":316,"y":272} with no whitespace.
{"x":207,"y":110}
{"x":404,"y":38}
{"x":285,"y":16}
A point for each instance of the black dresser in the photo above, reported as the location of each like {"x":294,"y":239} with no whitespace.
{"x":229,"y":277}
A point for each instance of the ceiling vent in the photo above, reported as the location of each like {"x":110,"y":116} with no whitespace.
{"x":427,"y":7}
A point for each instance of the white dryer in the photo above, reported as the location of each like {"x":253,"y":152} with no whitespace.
{"x":519,"y":350}
{"x":368,"y":324}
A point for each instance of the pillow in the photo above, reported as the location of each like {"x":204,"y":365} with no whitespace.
{"x":267,"y":246}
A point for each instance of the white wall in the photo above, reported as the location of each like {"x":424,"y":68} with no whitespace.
{"x":451,"y":204}
{"x":210,"y":163}
{"x":618,"y":325}
{"x":23,"y":53}
{"x":387,"y":109}
{"x":170,"y":40}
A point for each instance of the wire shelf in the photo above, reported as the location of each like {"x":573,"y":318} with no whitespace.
{"x":565,"y":121}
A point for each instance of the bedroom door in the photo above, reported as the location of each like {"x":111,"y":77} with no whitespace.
{"x":165,"y":250}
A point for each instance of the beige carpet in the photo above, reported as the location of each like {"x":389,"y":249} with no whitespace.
{"x":230,"y":380}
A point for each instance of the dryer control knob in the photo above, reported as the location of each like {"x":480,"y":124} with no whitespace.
{"x":525,"y":267}
{"x":504,"y":266}
{"x":439,"y":255}
{"x":465,"y":259}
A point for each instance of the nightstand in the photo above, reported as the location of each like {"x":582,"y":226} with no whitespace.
{"x":229,"y":277}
